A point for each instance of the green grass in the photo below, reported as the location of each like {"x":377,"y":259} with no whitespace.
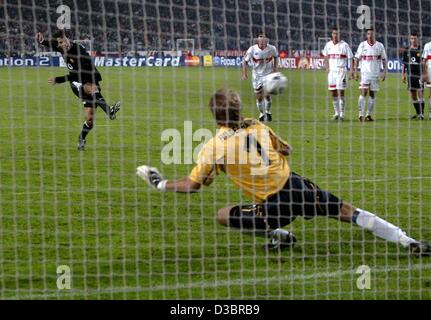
{"x":122,"y":240}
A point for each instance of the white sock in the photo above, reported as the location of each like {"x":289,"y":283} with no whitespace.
{"x":261,"y":106}
{"x":371,"y":105}
{"x":361,"y":105}
{"x":335,"y":104}
{"x":342,"y":104}
{"x":381,"y":228}
{"x":268,"y":103}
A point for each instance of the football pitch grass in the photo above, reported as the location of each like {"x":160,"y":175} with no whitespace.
{"x":122,"y":240}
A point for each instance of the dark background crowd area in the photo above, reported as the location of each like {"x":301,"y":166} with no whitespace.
{"x":128,"y":26}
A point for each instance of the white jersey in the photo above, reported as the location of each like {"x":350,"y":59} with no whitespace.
{"x":371,"y":57}
{"x":263,"y":60}
{"x":426,"y":54}
{"x":337,"y":54}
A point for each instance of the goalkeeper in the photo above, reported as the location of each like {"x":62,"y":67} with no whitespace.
{"x":253,"y":157}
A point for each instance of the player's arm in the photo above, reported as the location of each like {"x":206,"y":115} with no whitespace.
{"x":351,"y":73}
{"x":279,"y":144}
{"x":275,"y":65}
{"x":155,"y":179}
{"x":244,"y":70}
{"x":385,"y":69}
{"x":355,"y":68}
{"x":425,"y":65}
{"x":52,"y":45}
{"x":403,"y":73}
{"x":245,"y":61}
{"x":356,"y":58}
{"x":57,"y":80}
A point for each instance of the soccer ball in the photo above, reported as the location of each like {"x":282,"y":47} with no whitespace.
{"x":274,"y":83}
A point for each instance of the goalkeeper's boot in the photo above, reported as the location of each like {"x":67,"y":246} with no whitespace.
{"x":280,"y":239}
{"x":262,"y":117}
{"x":361,"y":118}
{"x":81,"y":143}
{"x":114,"y":109}
{"x":269,"y":116}
{"x":420,"y":249}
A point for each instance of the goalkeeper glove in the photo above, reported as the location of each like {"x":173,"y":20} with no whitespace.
{"x":152,"y":176}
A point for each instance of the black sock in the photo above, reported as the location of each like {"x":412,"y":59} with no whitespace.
{"x":100,"y":101}
{"x":422,"y":106}
{"x":85,"y":130}
{"x":417,"y":107}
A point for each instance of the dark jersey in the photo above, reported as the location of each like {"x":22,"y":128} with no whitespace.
{"x":412,"y":61}
{"x":78,"y":61}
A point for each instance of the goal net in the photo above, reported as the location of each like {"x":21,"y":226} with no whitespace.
{"x":81,"y":224}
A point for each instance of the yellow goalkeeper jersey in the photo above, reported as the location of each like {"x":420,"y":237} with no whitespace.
{"x":250,"y":156}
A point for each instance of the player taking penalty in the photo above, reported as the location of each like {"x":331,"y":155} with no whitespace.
{"x":337,"y":55}
{"x":83,"y":77}
{"x":264,"y":60}
{"x":254,"y":158}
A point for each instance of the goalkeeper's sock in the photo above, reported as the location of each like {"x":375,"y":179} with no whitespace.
{"x":100,"y":102}
{"x":335,"y":105}
{"x":381,"y":228}
{"x":371,"y":102}
{"x":361,"y":105}
{"x":86,"y":128}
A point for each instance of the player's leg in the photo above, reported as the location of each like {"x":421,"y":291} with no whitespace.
{"x":332,"y":89}
{"x":93,"y":90}
{"x":342,"y":103}
{"x":258,"y":92}
{"x":251,"y":218}
{"x":88,"y":125}
{"x":268,"y":104}
{"x":382,"y":229}
{"x":420,"y":94}
{"x":335,"y":105}
{"x":429,"y":101}
{"x":361,"y":101}
{"x":371,"y":104}
{"x":318,"y":202}
{"x":341,"y":87}
{"x":416,"y":105}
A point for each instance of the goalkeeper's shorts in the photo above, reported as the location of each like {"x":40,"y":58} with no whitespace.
{"x":299,"y":197}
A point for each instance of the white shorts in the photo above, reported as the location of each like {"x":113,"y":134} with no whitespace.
{"x":428,"y":84}
{"x":370,"y":81}
{"x":337,"y":80}
{"x":258,"y":83}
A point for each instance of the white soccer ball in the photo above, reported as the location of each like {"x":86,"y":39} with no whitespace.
{"x":274,"y":83}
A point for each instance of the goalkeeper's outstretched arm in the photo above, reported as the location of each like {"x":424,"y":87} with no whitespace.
{"x":155,"y":179}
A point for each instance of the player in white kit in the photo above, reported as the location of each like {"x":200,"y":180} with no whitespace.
{"x":372,"y":55}
{"x":426,"y":71}
{"x":264,"y":60}
{"x":337,"y":55}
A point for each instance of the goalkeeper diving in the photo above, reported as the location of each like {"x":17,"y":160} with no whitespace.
{"x":254,"y":158}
